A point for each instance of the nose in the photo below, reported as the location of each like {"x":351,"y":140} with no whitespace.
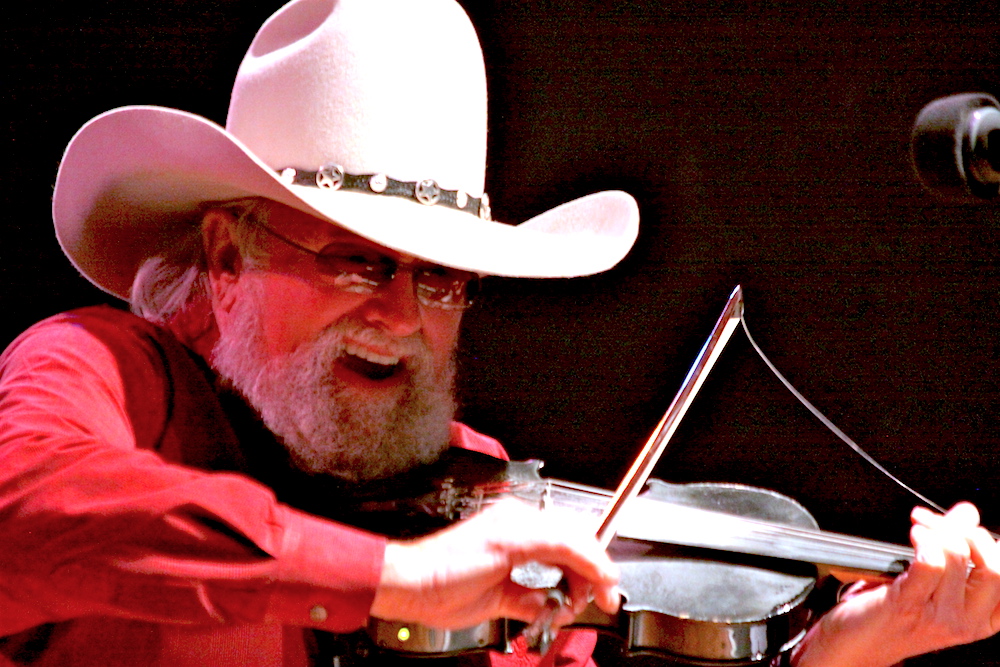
{"x":393,"y":307}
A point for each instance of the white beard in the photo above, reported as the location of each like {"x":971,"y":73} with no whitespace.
{"x":326,"y":426}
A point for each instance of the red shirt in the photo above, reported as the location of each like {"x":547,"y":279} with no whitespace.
{"x":131,"y":533}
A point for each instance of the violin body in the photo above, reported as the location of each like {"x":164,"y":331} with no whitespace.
{"x":702,"y":606}
{"x":706,"y":606}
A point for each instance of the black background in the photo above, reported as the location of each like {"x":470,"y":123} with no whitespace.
{"x":767,"y":144}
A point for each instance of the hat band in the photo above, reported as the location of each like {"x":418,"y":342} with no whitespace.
{"x":427,"y":191}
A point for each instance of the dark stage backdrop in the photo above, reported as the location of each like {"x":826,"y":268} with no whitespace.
{"x":767,"y":145}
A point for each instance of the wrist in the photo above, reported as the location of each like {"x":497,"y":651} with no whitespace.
{"x":388,"y":603}
{"x":832,"y":643}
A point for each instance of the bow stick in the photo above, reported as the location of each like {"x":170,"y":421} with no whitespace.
{"x":643,"y":466}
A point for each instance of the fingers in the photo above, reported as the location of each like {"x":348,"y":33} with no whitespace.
{"x":582,"y":593}
{"x":566,"y":541}
{"x":962,"y":514}
{"x":984,"y":581}
{"x":461,"y":575}
{"x":523,"y":604}
{"x":957,"y":573}
{"x":942,"y":549}
{"x":937,"y":603}
{"x":942,"y":565}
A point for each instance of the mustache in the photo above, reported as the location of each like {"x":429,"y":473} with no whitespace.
{"x":332,"y":344}
{"x":347,"y":329}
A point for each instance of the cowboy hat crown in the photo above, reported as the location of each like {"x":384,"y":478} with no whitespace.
{"x":370,"y":114}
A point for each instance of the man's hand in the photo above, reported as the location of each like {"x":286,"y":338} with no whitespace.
{"x":460,"y":576}
{"x":938,"y":602}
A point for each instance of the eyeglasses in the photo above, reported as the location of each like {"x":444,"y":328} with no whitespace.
{"x":362,"y":270}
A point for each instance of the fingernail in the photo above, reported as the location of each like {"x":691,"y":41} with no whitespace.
{"x":616,"y":597}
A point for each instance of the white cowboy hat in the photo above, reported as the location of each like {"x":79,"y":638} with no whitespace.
{"x":335,"y":101}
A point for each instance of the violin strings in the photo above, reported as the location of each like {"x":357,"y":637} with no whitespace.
{"x":830,"y":425}
{"x":764,"y":529}
{"x":568,"y":495}
{"x":831,"y":540}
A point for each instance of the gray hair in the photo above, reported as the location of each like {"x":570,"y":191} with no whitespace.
{"x":171,"y":281}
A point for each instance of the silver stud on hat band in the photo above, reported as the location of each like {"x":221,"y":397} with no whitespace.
{"x":427,"y":192}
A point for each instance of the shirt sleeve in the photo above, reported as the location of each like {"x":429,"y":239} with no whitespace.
{"x":90,"y":524}
{"x":464,"y":437}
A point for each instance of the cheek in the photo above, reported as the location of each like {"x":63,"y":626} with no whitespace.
{"x":441,"y":330}
{"x":292,"y":313}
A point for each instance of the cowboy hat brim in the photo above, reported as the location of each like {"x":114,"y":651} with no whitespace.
{"x":134,"y":178}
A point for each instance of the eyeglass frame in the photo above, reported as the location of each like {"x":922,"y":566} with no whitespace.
{"x":367,"y":285}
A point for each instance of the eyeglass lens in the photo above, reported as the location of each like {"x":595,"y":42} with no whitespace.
{"x":363,"y":270}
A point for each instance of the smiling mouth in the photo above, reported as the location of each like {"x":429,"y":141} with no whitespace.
{"x":370,"y":364}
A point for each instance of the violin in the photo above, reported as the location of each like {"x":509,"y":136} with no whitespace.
{"x":710,"y":573}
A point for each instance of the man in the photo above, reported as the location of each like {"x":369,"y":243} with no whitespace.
{"x":326,"y":305}
{"x":174,"y":488}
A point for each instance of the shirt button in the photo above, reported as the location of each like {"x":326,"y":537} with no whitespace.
{"x":318,"y":614}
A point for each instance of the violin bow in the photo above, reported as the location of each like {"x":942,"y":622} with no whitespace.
{"x":643,"y":466}
{"x":539,"y":633}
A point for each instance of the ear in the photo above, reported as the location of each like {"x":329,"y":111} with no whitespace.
{"x":222,"y":256}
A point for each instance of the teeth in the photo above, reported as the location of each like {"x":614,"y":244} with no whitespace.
{"x":368,"y":355}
